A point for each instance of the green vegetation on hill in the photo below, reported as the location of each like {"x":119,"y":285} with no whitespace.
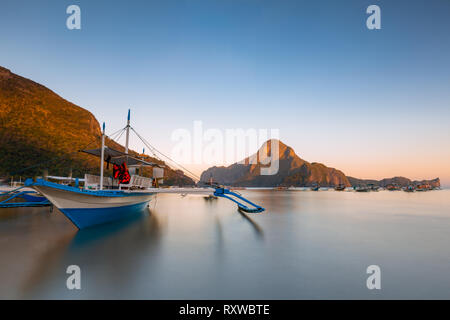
{"x":39,"y":127}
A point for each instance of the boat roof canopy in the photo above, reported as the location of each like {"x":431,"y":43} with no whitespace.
{"x":119,"y":157}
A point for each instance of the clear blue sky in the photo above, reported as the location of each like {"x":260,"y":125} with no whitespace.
{"x":372,"y":103}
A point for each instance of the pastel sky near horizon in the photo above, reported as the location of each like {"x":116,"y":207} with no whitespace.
{"x":373,"y":103}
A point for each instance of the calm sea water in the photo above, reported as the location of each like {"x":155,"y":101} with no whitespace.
{"x":307,"y":245}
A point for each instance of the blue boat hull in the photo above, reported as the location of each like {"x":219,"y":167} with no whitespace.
{"x":84,"y":218}
{"x":87,"y":208}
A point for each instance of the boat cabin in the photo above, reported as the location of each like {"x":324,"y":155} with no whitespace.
{"x":123,"y":161}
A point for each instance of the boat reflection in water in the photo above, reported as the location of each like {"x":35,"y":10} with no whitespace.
{"x":116,"y":248}
{"x":189,"y":248}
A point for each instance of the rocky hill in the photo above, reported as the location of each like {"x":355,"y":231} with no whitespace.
{"x":37,"y":126}
{"x":293,"y":171}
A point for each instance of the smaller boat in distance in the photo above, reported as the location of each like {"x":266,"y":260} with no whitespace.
{"x":315,"y":187}
{"x":362,"y":188}
{"x":393,"y":187}
{"x":340,"y":187}
{"x":281,"y":188}
{"x":423,"y":187}
{"x":409,"y":188}
{"x":8,"y":199}
{"x":373,"y":187}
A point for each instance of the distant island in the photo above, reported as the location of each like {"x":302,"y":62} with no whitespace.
{"x":399,"y":181}
{"x":293,"y":171}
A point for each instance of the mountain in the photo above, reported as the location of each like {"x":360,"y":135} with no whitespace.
{"x":293,"y":171}
{"x":40,"y":130}
{"x":401,"y":181}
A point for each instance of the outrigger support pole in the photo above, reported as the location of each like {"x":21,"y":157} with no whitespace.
{"x":102,"y":157}
{"x":226,"y":193}
{"x":18,"y":194}
{"x":127,"y":133}
{"x":127,"y":136}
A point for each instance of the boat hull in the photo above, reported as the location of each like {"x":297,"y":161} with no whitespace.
{"x":85,"y":218}
{"x":90,"y":208}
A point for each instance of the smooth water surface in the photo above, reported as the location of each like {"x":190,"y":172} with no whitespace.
{"x":307,"y":245}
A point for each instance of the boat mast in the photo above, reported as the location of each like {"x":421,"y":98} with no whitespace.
{"x":140,"y":166}
{"x":128,"y":132}
{"x":102,"y":157}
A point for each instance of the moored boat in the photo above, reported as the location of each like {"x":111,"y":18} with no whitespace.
{"x":423,"y":187}
{"x":105,"y":199}
{"x":393,"y":187}
{"x":102,"y":200}
{"x":362,"y":188}
{"x":86,"y":208}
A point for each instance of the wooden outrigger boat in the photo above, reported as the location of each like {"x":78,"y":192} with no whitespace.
{"x":8,"y":198}
{"x":362,"y":188}
{"x":393,"y":187}
{"x":102,"y":200}
{"x":340,"y":187}
{"x":423,"y":187}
